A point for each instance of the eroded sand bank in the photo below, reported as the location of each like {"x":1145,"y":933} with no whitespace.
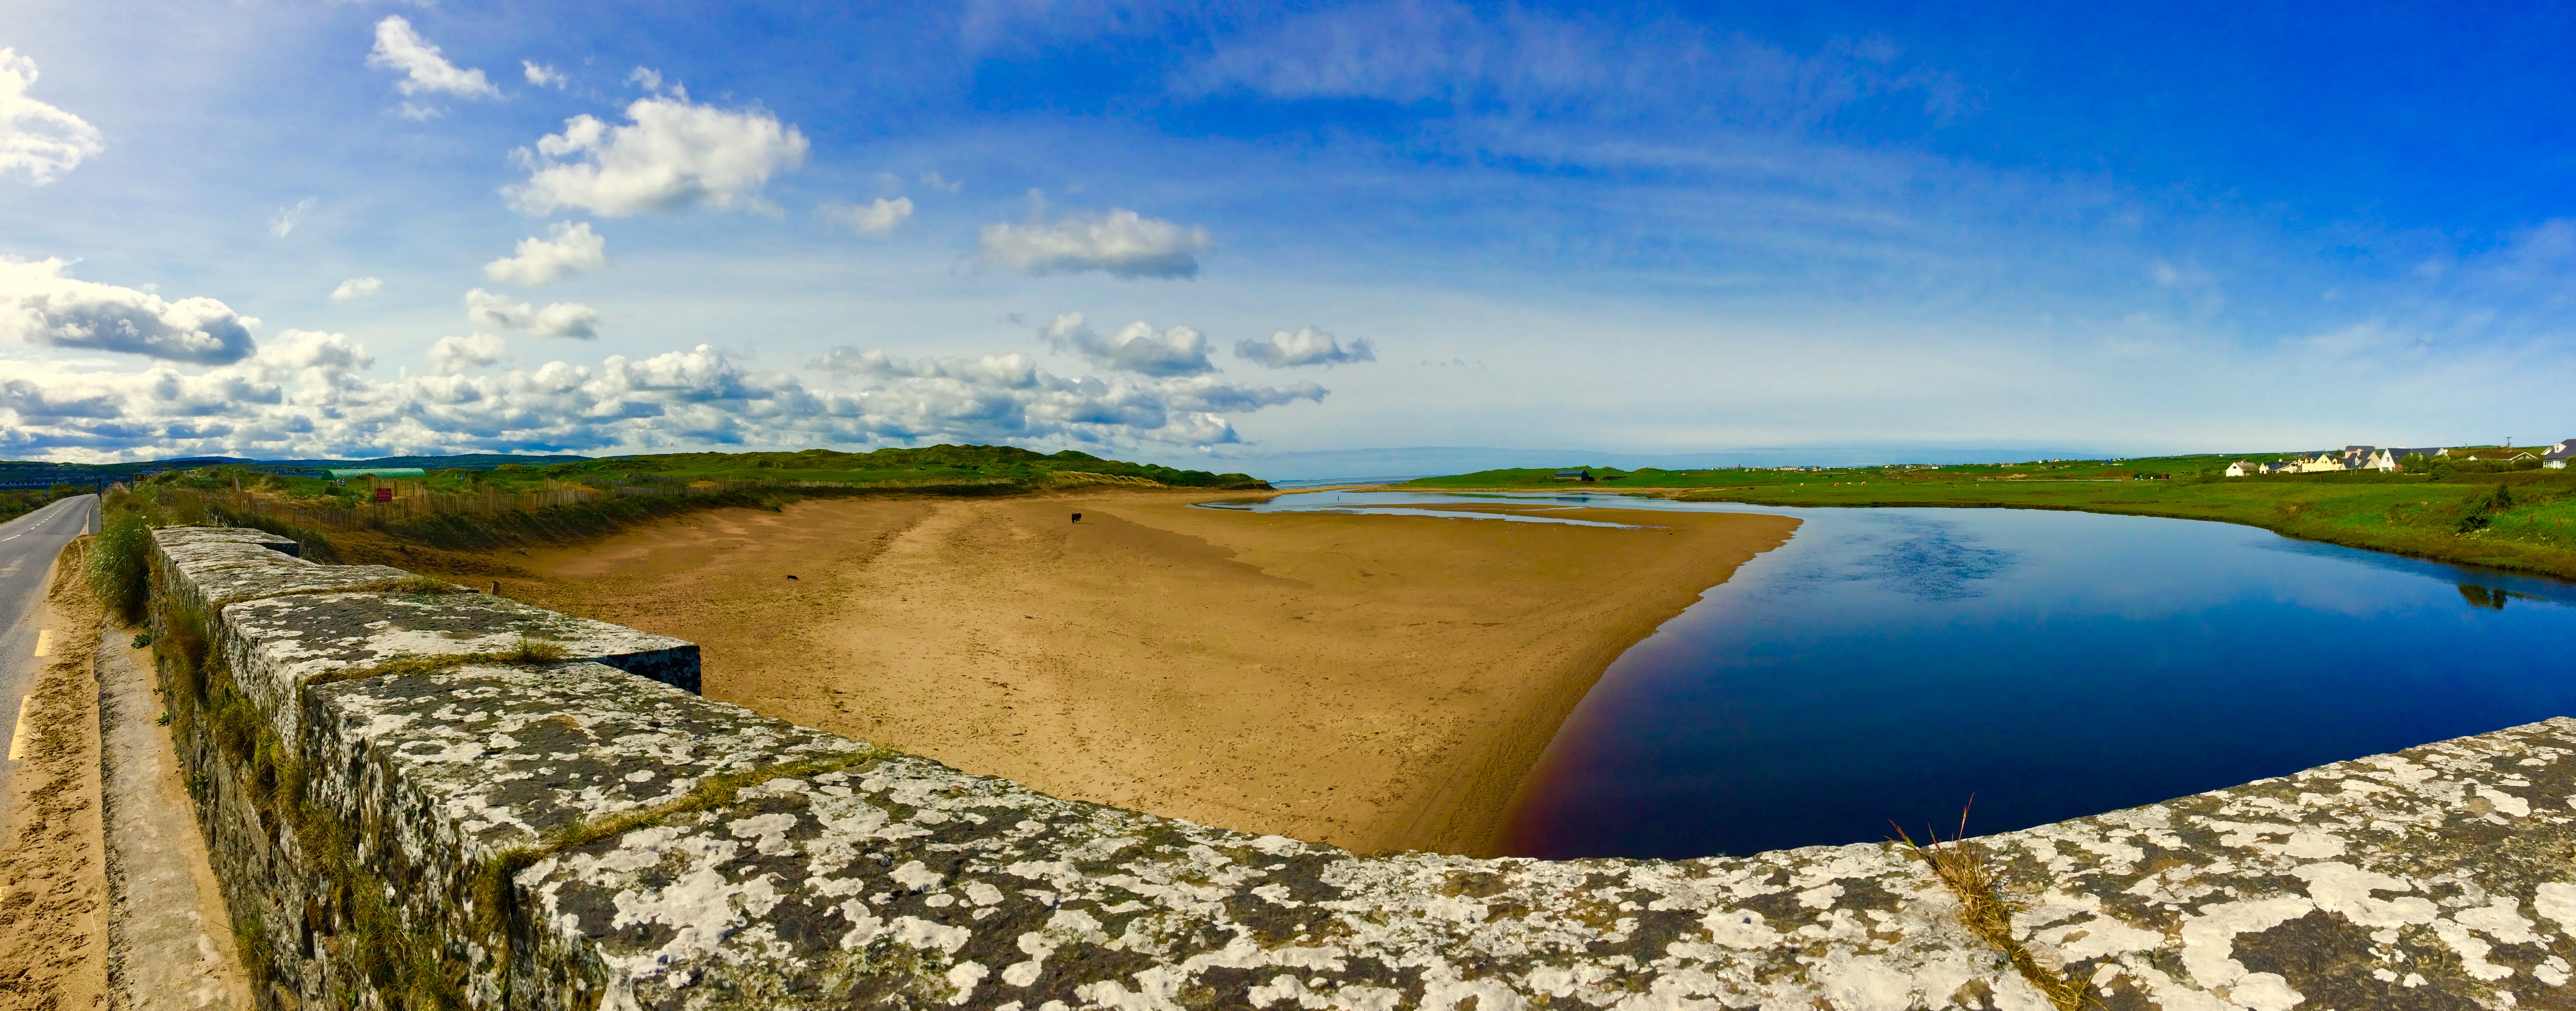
{"x":1368,"y":681}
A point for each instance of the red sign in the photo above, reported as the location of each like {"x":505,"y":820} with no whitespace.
{"x":384,"y":494}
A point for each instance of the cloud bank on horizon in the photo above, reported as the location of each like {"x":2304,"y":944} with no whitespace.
{"x":1635,"y":227}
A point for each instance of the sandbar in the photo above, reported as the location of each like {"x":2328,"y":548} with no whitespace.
{"x":1374,"y":682}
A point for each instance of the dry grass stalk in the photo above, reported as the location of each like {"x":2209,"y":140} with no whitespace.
{"x":533,"y":651}
{"x":1965,"y":866}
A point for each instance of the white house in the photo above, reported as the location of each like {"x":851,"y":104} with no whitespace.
{"x":2558,"y":453}
{"x":2383,"y":459}
{"x":2321,"y":463}
{"x":2394,"y":458}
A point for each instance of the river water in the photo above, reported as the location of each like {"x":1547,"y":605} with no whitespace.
{"x":1889,"y":664}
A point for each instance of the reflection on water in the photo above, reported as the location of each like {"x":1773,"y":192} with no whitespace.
{"x":2488,"y":597}
{"x":1930,"y":560}
{"x":1887,"y":663}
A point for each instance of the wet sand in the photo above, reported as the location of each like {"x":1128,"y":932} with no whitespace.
{"x":1368,"y":681}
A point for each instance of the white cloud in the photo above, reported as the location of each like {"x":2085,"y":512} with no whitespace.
{"x":672,"y":154}
{"x":289,"y":217}
{"x":294,"y":387}
{"x":37,"y":139}
{"x":559,"y":319}
{"x":357,"y":287}
{"x":1008,"y":398}
{"x":302,"y":395}
{"x":573,"y":249}
{"x":1179,"y":351}
{"x":647,"y":78}
{"x":934,"y":181}
{"x":543,"y":75}
{"x":459,"y":355}
{"x":39,"y":305}
{"x":400,"y":48}
{"x":1121,"y":244}
{"x":879,"y":218}
{"x":1307,"y":346}
{"x":567,"y":319}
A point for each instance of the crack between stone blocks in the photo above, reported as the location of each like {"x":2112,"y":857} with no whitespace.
{"x":1965,"y":868}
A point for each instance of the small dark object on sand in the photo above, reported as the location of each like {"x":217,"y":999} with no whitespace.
{"x":791,"y":577}
{"x":1077,"y":517}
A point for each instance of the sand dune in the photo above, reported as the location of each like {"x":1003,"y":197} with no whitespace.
{"x":1369,"y":681}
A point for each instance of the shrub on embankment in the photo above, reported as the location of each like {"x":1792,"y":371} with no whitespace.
{"x":120,"y":561}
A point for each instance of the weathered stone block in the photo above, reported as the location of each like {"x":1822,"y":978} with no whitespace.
{"x":190,"y":536}
{"x":206,"y":568}
{"x":276,"y":644}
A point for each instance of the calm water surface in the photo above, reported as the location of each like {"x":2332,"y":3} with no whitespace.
{"x":1888,"y":663}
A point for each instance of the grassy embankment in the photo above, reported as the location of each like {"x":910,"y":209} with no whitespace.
{"x":2478,"y":512}
{"x":573,"y":501}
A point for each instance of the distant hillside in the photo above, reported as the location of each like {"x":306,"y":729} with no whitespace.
{"x":928,"y":465}
{"x":468,"y":461}
{"x":36,"y":473}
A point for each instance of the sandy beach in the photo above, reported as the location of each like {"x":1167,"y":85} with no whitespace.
{"x":1375,"y":682}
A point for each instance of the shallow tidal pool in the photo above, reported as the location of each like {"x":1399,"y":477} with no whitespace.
{"x":1885,"y":665}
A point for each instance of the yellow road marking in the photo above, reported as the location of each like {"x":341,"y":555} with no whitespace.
{"x":18,"y":737}
{"x":44,"y":642}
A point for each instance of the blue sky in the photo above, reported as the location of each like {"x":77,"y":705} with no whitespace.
{"x":1215,"y":232}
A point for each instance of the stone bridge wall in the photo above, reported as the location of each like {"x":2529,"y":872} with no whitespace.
{"x":422,"y":797}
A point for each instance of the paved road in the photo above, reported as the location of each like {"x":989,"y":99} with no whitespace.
{"x":28,"y":545}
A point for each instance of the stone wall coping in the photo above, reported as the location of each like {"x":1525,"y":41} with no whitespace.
{"x":662,"y":850}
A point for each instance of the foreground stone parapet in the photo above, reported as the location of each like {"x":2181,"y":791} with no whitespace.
{"x":562,"y":834}
{"x":276,"y":644}
{"x":205,"y":568}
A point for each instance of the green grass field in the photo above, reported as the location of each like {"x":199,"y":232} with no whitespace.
{"x":2476,"y":513}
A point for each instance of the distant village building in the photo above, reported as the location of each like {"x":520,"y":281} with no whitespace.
{"x":2394,"y":458}
{"x":2325,"y":462}
{"x":2383,"y":459}
{"x":1584,"y":475}
{"x":2386,"y":459}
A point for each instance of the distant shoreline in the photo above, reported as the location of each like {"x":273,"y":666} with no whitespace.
{"x":2460,"y":521}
